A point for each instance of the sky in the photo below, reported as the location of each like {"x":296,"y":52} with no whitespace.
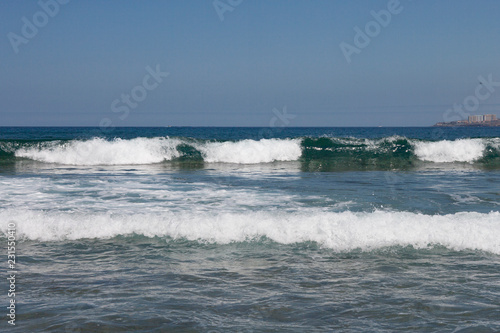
{"x":244,"y":62}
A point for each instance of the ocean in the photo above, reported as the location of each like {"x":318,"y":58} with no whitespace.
{"x":190,"y":229}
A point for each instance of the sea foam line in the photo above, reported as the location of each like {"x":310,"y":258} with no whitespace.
{"x":342,"y":231}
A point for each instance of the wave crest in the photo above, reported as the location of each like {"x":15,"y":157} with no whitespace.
{"x":316,"y":154}
{"x":462,"y":150}
{"x":98,"y":151}
{"x":251,"y":151}
{"x":343,"y":231}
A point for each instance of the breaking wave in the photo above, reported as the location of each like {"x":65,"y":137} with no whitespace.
{"x":340,"y":231}
{"x":98,"y":151}
{"x":102,"y":152}
{"x":463,"y":150}
{"x":251,"y":151}
{"x":316,"y":154}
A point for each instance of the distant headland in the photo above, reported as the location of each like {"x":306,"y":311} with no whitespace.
{"x":486,"y":120}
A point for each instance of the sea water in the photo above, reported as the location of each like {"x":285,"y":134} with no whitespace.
{"x":252,"y":230}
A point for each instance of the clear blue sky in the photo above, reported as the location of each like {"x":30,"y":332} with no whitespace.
{"x":234,"y":72}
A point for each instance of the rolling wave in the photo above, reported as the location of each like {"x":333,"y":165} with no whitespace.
{"x":251,"y":151}
{"x":462,"y":150}
{"x":102,"y":152}
{"x":98,"y":151}
{"x":340,"y":231}
{"x":320,"y":153}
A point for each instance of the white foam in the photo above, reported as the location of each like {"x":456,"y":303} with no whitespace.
{"x":132,"y":194}
{"x":98,"y":151}
{"x":462,"y":150}
{"x":251,"y":151}
{"x":339,"y":231}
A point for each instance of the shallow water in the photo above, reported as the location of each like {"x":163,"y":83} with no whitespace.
{"x":358,"y":230}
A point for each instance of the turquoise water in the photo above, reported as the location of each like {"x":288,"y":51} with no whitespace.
{"x":253,"y":230}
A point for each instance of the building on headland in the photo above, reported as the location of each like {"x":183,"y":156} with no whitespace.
{"x":475,"y":120}
{"x":490,"y":117}
{"x":481,"y":118}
